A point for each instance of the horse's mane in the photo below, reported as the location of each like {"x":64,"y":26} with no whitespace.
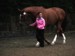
{"x":34,"y":7}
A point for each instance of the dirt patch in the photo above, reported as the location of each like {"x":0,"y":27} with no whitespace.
{"x":25,"y":46}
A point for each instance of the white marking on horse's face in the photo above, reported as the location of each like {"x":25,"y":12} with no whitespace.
{"x":24,"y":13}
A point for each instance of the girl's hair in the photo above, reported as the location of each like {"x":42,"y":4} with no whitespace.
{"x":38,"y":15}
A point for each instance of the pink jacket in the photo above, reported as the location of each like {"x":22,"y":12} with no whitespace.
{"x":40,"y":23}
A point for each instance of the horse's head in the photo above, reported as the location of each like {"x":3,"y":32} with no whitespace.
{"x":30,"y":12}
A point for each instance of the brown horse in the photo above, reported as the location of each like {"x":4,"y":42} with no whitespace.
{"x":53,"y":16}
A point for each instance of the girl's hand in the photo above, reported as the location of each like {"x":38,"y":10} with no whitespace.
{"x":33,"y":24}
{"x":30,"y":25}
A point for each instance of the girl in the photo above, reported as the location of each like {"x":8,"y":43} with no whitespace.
{"x":40,"y":26}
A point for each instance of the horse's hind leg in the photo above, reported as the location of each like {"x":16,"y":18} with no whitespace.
{"x":59,"y":32}
{"x":47,"y":41}
{"x":64,"y":38}
{"x":54,"y":40}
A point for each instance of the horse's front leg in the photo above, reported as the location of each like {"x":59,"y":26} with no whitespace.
{"x":37,"y":44}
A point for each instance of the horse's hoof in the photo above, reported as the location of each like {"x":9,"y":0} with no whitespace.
{"x":52,"y":43}
{"x":37,"y":44}
{"x":64,"y":42}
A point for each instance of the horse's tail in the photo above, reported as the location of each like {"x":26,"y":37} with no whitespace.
{"x":65,"y":22}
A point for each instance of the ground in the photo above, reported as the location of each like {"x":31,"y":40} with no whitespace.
{"x":25,"y":46}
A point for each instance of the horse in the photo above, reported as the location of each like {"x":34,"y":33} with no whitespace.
{"x":53,"y":16}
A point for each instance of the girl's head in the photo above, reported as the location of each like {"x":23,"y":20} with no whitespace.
{"x":39,"y":15}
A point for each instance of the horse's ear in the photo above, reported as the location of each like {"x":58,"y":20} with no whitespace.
{"x":19,"y":9}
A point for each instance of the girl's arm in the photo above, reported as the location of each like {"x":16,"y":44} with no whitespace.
{"x":33,"y":24}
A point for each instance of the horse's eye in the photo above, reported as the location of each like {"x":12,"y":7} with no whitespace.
{"x":24,"y":13}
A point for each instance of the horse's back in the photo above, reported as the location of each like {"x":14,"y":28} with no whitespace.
{"x":60,"y":12}
{"x":51,"y":16}
{"x":55,"y":14}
